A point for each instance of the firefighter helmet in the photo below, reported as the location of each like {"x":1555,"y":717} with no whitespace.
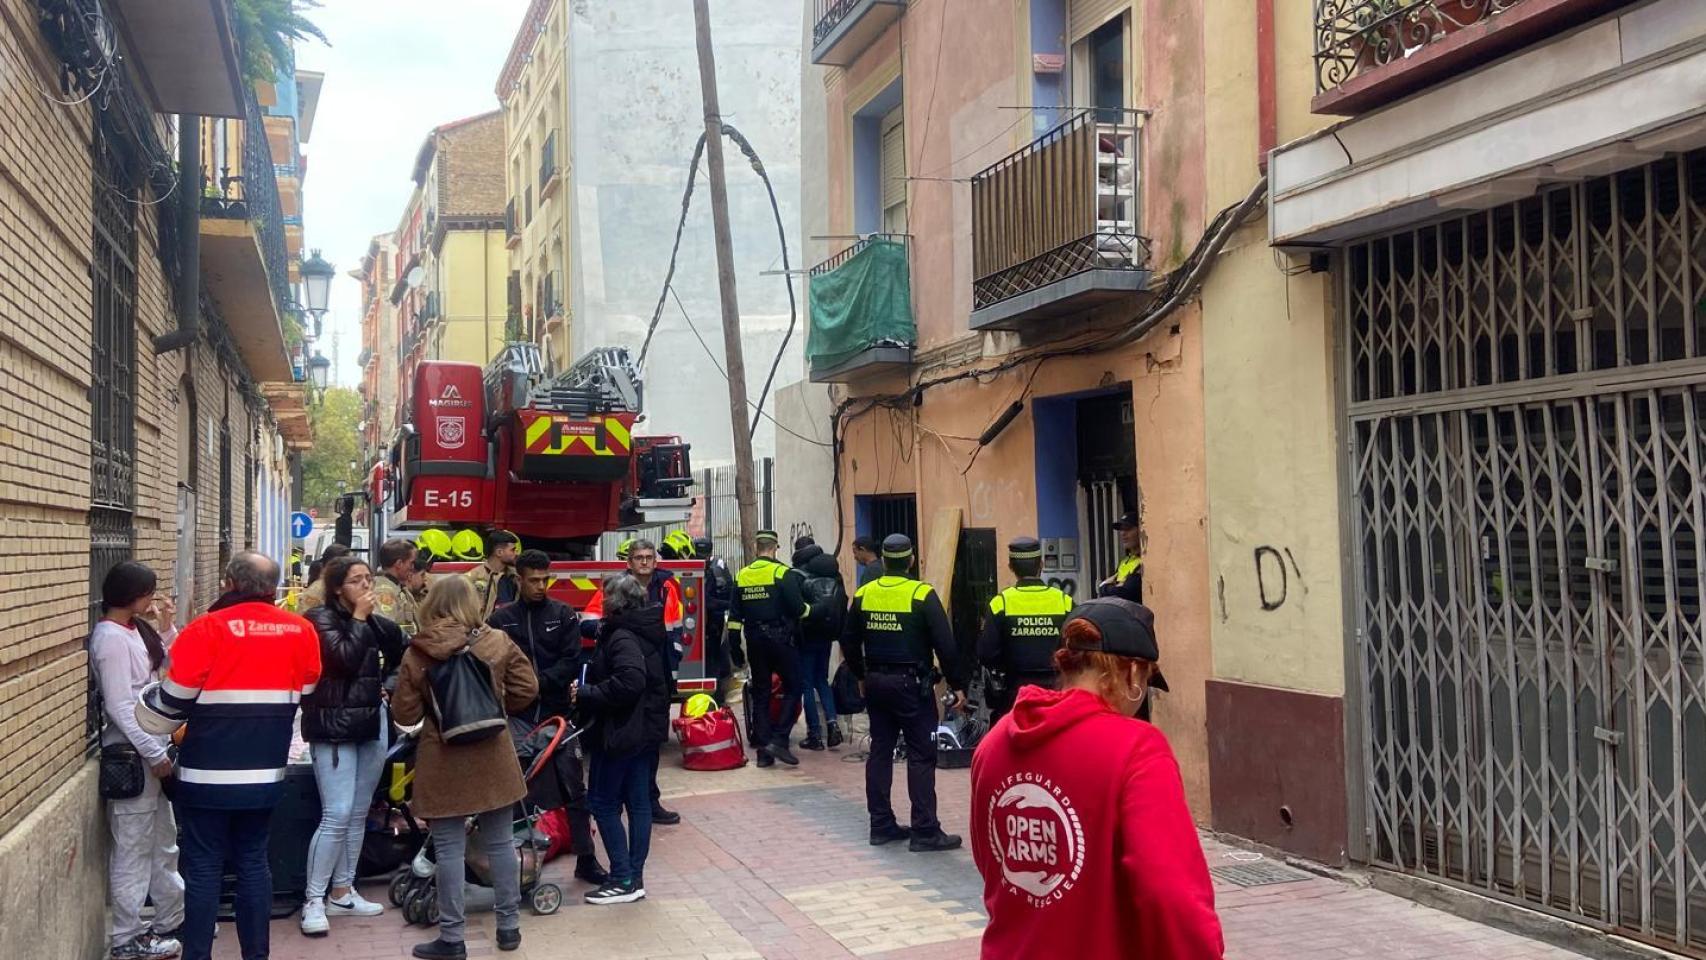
{"x":467,"y":545}
{"x":698,"y":705}
{"x":680,"y":542}
{"x":435,"y":543}
{"x":624,"y":548}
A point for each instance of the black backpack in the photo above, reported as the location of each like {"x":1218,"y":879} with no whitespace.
{"x":845,"y":686}
{"x":465,"y":699}
{"x":819,"y":590}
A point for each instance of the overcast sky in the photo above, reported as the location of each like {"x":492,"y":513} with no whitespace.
{"x":395,"y":69}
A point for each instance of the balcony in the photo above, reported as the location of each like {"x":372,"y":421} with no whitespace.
{"x":185,"y":52}
{"x":1372,"y":52}
{"x":430,"y":309}
{"x":1055,"y":226}
{"x":243,"y":259}
{"x":550,"y":177}
{"x":861,"y":311}
{"x":843,"y":29}
{"x":512,"y":236}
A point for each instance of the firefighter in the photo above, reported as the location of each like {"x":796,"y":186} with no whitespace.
{"x":1127,"y":581}
{"x":1022,"y":631}
{"x":719,"y":591}
{"x":392,"y":598}
{"x":494,"y":579}
{"x":767,"y":606}
{"x":893,"y":627}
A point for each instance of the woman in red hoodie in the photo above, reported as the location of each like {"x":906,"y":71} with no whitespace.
{"x":1079,"y":824}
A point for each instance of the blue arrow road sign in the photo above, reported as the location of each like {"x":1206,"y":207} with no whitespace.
{"x":301,"y":525}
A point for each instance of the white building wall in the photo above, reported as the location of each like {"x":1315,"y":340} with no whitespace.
{"x":635,"y":114}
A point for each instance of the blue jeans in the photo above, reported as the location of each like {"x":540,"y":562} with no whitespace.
{"x":814,"y":667}
{"x":346,"y":775}
{"x":208,"y":838}
{"x":615,"y":783}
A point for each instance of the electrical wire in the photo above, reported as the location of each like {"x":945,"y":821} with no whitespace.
{"x":746,"y":148}
{"x":674,"y":250}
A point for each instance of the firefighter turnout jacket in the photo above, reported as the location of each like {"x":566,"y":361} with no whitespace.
{"x":1022,"y":630}
{"x":393,"y":601}
{"x":898,"y":622}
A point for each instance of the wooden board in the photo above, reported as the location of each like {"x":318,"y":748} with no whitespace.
{"x":940,"y":549}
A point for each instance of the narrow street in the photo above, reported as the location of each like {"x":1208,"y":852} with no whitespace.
{"x":807,"y":886}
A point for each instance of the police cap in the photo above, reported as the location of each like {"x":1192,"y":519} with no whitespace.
{"x":1123,"y":628}
{"x":702,"y":546}
{"x":1024,"y":548}
{"x":766,"y":536}
{"x":897,"y":546}
{"x":1127,"y":521}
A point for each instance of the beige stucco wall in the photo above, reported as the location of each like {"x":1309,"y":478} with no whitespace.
{"x":1275,"y":587}
{"x":475,"y":268}
{"x":53,"y":877}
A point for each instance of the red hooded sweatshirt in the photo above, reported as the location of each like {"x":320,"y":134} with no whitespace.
{"x":1080,"y":829}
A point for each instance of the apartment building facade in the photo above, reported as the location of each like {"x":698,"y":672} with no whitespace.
{"x":145,"y":407}
{"x":379,"y":348}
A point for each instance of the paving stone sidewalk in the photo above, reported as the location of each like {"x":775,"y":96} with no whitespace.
{"x":774,"y":864}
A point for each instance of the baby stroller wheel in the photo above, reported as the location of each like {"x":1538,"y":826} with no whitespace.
{"x":547,"y":899}
{"x":417,"y":909}
{"x":399,"y":887}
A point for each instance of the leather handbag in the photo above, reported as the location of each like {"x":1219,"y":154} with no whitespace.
{"x":123,"y":774}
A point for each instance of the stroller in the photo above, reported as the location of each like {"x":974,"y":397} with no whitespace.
{"x":415,"y":887}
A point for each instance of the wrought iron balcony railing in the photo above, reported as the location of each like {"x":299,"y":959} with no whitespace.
{"x":1065,"y":204}
{"x":1353,"y":37}
{"x":843,"y":29}
{"x":547,"y":164}
{"x":239,"y":184}
{"x":510,"y":233}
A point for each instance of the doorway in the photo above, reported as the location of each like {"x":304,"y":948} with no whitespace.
{"x":1086,"y":469}
{"x":974,"y":584}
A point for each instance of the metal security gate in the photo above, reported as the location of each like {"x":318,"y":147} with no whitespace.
{"x":1528,"y":467}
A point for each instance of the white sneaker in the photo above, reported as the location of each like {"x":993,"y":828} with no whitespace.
{"x":314,"y":919}
{"x":354,"y":905}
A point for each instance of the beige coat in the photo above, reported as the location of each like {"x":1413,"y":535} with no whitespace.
{"x":459,"y":781}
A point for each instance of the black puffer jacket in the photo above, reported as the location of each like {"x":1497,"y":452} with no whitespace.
{"x":627,"y":691}
{"x":827,"y":596}
{"x":356,"y":657}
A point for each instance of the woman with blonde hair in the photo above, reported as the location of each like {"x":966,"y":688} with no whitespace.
{"x":456,"y":781}
{"x":1079,"y":823}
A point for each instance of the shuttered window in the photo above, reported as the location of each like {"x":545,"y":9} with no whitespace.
{"x":1084,"y":16}
{"x":894,"y":173}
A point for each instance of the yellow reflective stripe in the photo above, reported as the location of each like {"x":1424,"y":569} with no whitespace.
{"x":1035,"y":601}
{"x":583,"y":583}
{"x":1128,"y":566}
{"x":760,"y":573}
{"x":618,"y":432}
{"x":892,"y":594}
{"x":997,"y":604}
{"x":537,"y":429}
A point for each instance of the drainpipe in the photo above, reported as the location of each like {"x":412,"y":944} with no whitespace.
{"x":189,"y":237}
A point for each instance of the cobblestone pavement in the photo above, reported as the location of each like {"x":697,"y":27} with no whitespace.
{"x":774,"y":864}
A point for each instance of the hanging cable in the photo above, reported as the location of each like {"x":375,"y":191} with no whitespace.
{"x":787,"y":269}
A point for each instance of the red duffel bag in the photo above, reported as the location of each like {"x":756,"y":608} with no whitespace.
{"x":711,"y":742}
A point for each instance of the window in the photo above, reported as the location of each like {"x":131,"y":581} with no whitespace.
{"x":112,"y":453}
{"x":1099,"y":75}
{"x":893,"y":160}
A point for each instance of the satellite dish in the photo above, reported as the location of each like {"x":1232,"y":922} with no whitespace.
{"x":415,"y":277}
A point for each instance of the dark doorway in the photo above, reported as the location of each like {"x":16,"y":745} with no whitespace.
{"x":974,"y":584}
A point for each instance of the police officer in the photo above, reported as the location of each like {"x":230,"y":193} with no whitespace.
{"x":1127,"y":581}
{"x":767,"y":605}
{"x":1022,"y":631}
{"x":893,"y":626}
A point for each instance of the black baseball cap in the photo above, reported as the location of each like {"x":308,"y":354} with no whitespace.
{"x":1127,"y":521}
{"x":1127,"y":630}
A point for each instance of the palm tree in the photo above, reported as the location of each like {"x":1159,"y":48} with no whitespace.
{"x":265,"y":29}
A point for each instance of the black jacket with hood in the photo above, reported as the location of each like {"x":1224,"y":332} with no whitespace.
{"x":827,"y":595}
{"x":549,"y":633}
{"x":356,"y":657}
{"x":628,"y":686}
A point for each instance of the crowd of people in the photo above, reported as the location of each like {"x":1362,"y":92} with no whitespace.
{"x":201,"y":722}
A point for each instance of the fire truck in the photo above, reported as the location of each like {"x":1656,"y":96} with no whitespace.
{"x":554,"y":460}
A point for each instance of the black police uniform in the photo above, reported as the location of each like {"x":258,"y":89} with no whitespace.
{"x":765,"y":609}
{"x":1021,"y":633}
{"x":894,"y":625}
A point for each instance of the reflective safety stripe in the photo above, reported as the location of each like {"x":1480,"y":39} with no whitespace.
{"x":892,"y":595}
{"x":711,"y":747}
{"x":1128,"y":566}
{"x":762,"y":572}
{"x":1033,"y":601}
{"x":309,"y":689}
{"x":178,"y":691}
{"x":250,"y":696}
{"x":231,"y":777}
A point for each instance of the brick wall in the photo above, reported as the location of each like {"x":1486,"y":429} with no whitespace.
{"x":471,"y":167}
{"x":46,"y":303}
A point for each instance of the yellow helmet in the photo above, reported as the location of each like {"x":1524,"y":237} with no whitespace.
{"x":435,"y":543}
{"x":467,"y":545}
{"x":681,"y":542}
{"x":624,"y":548}
{"x":698,"y":705}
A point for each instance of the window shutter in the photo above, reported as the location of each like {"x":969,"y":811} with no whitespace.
{"x":894,"y":166}
{"x":1084,"y":16}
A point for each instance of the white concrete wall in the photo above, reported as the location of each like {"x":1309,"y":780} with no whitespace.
{"x":635,"y":114}
{"x":53,"y":877}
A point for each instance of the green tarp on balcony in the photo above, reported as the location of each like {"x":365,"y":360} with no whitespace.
{"x":863,"y":302}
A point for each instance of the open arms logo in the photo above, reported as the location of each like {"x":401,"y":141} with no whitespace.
{"x":1036,"y":836}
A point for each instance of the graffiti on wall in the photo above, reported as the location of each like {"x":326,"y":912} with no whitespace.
{"x":1275,"y":568}
{"x":798,"y":529}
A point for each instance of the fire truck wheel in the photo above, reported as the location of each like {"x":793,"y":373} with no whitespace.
{"x":547,"y":899}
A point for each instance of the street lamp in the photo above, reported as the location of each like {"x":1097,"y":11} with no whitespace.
{"x":319,"y":371}
{"x":317,"y":276}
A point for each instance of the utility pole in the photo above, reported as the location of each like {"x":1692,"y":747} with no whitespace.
{"x":746,"y":495}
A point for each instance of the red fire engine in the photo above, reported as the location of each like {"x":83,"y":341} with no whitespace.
{"x":553,"y":460}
